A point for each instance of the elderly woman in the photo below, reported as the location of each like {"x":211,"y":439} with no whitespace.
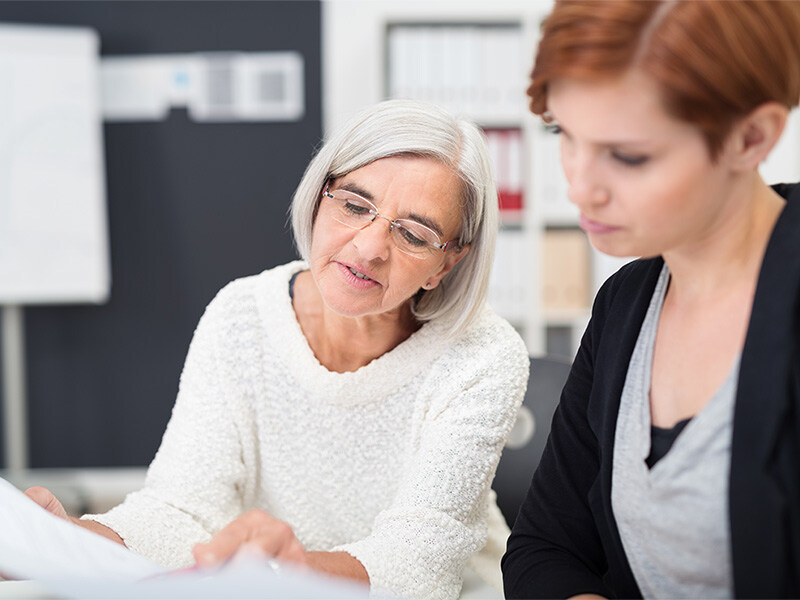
{"x":347,"y":411}
{"x":673,"y":464}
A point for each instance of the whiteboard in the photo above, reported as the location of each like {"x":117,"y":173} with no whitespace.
{"x":53,"y":223}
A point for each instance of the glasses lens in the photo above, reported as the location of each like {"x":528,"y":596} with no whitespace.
{"x":352,"y":210}
{"x":410,"y":237}
{"x":414,"y":238}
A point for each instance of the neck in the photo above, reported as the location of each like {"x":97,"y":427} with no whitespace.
{"x":730,"y":255}
{"x":341,"y":343}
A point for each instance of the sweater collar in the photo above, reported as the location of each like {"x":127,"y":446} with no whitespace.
{"x":368,"y":383}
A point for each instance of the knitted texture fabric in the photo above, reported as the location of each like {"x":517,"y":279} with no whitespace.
{"x":391,"y":463}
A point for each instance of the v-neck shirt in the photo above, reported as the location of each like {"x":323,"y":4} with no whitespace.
{"x":673,"y":518}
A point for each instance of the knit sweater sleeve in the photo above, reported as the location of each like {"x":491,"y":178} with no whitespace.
{"x":419,"y":545}
{"x":194,"y":484}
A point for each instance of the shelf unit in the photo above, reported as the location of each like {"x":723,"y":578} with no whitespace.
{"x":369,"y":48}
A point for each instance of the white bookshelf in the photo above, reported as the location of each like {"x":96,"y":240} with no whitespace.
{"x":459,"y":40}
{"x":357,"y":63}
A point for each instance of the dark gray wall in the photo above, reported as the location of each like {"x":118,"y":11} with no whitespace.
{"x":191,"y":206}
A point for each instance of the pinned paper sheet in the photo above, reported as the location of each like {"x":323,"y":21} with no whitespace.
{"x":53,"y":225}
{"x":212,"y":86}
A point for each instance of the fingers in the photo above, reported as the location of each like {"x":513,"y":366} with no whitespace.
{"x":45,"y":498}
{"x":254,"y":530}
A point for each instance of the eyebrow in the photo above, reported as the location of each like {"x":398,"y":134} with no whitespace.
{"x":427,"y":222}
{"x":358,"y":190}
{"x":606,"y":143}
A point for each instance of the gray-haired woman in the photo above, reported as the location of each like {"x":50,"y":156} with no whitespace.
{"x":347,"y":411}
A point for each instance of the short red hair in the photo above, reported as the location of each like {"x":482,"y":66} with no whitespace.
{"x":714,"y":61}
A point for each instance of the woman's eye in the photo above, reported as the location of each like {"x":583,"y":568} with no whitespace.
{"x":356,"y":209}
{"x":630,"y":160}
{"x":553,"y":128}
{"x":410,"y":237}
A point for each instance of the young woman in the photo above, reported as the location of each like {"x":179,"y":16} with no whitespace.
{"x":347,"y":411}
{"x":673,"y":464}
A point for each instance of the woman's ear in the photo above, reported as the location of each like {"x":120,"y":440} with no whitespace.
{"x":452,"y":258}
{"x":755,"y":135}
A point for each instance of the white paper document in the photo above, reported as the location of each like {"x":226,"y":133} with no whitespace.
{"x":75,"y":563}
{"x":36,"y":545}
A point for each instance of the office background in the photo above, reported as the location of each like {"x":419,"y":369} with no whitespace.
{"x":193,"y":205}
{"x":190,"y":207}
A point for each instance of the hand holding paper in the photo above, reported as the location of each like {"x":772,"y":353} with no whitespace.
{"x":260,"y":533}
{"x":255,"y":529}
{"x":38,"y":545}
{"x":45,"y":498}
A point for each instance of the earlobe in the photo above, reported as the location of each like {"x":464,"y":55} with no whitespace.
{"x":451,"y":260}
{"x":757,"y":134}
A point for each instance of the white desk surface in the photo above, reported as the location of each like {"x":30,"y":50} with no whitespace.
{"x":474,"y":589}
{"x":23,"y":590}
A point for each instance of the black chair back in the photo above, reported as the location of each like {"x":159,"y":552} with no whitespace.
{"x":517,"y":464}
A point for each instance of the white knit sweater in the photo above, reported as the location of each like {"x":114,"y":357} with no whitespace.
{"x":391,"y":463}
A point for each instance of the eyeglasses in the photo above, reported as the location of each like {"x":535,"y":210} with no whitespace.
{"x":410,"y":237}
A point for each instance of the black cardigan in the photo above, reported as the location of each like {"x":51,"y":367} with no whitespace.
{"x":565,"y":540}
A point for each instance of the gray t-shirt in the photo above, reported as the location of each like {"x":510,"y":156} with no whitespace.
{"x":673,"y":518}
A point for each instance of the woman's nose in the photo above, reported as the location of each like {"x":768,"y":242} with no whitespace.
{"x":373,"y":242}
{"x":585,"y":194}
{"x":585,"y":187}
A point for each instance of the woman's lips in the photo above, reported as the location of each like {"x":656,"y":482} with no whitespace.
{"x":594,"y":227}
{"x":355,"y":277}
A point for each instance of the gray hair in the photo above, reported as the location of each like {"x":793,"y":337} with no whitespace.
{"x":412,"y":128}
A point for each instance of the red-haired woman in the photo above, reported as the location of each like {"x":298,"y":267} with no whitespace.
{"x":673,"y":464}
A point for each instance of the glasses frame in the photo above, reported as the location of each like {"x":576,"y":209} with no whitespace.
{"x":393,"y":223}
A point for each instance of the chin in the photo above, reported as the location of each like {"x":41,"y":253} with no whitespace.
{"x":345,"y":308}
{"x":622,"y":249}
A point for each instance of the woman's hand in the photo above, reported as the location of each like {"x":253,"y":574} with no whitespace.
{"x":255,"y":529}
{"x":47,"y":500}
{"x":258,"y":532}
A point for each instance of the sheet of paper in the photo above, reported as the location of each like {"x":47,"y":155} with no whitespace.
{"x":245,"y":579}
{"x":36,"y":545}
{"x":75,"y":563}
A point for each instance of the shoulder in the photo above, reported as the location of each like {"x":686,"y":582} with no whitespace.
{"x":617,"y":313}
{"x":251,"y":290}
{"x":490,"y":347}
{"x":274,"y":280}
{"x":479,"y":379}
{"x":243,"y":306}
{"x":630,"y":286}
{"x":789,"y":191}
{"x":778,"y":280}
{"x":489,"y":334}
{"x":632,"y":274}
{"x":784,"y":235}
